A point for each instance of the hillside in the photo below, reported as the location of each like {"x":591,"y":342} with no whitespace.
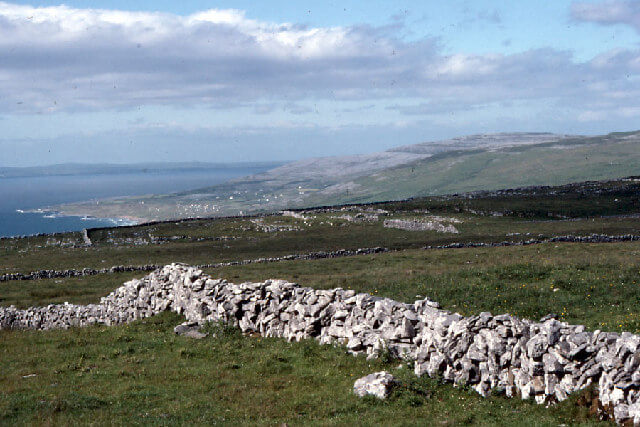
{"x":569,"y":250}
{"x":478,"y":162}
{"x":554,"y":162}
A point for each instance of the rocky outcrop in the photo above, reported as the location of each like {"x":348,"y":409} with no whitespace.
{"x":260,"y":225}
{"x":544,"y":360}
{"x":85,"y":237}
{"x":57,"y":274}
{"x":592,"y":238}
{"x":421,"y":225}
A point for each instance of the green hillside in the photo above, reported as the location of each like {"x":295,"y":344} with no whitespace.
{"x":456,"y":172}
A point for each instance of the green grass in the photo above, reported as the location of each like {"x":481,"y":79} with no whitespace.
{"x":487,"y":170}
{"x":143,"y":374}
{"x":597,"y":285}
{"x":26,"y":255}
{"x":76,"y":290}
{"x":526,"y":215}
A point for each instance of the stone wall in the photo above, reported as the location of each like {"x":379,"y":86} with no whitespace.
{"x":544,"y":360}
{"x":54,"y":274}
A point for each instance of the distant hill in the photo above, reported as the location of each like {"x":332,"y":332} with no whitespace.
{"x":553,"y":162}
{"x":486,"y":141}
{"x":470,"y":163}
{"x":68,"y":169}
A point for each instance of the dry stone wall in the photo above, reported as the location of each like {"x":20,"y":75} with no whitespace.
{"x":544,"y":360}
{"x":53,"y":274}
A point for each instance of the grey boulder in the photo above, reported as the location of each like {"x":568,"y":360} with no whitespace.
{"x":189,"y":330}
{"x":378,"y":384}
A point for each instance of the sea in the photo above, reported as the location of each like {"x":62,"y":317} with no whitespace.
{"x":21,"y":194}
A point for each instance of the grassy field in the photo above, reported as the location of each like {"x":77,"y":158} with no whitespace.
{"x":24,"y":256}
{"x":597,"y":285}
{"x":605,"y":208}
{"x":143,"y":374}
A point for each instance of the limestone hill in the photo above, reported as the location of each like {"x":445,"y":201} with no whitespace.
{"x":479,"y":162}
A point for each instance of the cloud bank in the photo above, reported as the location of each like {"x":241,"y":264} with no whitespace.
{"x":609,"y":12}
{"x":65,"y":59}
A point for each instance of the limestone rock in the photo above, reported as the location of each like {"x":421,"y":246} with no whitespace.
{"x":378,"y":384}
{"x":190,"y":330}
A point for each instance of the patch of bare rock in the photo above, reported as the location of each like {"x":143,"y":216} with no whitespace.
{"x":545,"y":360}
{"x":439,"y":224}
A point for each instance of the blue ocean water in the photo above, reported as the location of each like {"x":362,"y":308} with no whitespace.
{"x":21,"y":194}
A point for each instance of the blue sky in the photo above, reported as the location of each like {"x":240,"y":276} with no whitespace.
{"x":116,"y":81}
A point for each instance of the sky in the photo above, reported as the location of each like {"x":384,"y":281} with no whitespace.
{"x":232,"y":81}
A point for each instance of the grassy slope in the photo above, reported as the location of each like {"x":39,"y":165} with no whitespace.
{"x":526,"y":213}
{"x":145,"y":375}
{"x":25,"y":256}
{"x":142,"y":373}
{"x":493,"y":170}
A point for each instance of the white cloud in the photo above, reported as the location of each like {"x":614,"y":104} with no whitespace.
{"x":460,"y":65}
{"x":610,"y":12}
{"x":65,"y":59}
{"x":83,"y":58}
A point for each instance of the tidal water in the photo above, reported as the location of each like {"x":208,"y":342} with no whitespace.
{"x":27,"y":193}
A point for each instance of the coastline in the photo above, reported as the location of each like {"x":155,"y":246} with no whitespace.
{"x":36,"y":205}
{"x":48,"y":212}
{"x":44,"y":222}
